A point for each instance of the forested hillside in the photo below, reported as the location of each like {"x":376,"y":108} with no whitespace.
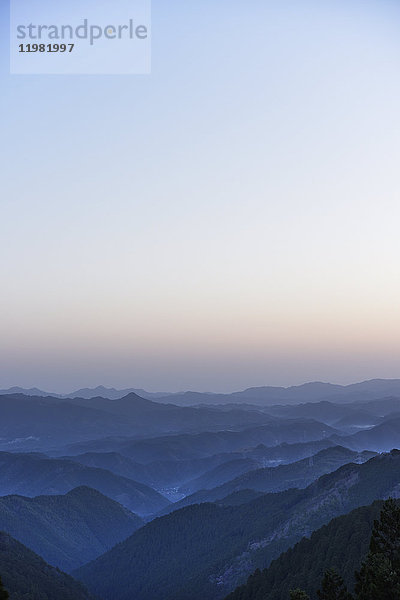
{"x":342,"y":545}
{"x":189,"y":446}
{"x":275,"y":479}
{"x":214,"y":548}
{"x":26,"y":576}
{"x":36,"y":475}
{"x":67,"y":530}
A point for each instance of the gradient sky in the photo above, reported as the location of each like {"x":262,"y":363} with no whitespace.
{"x":231,"y":220}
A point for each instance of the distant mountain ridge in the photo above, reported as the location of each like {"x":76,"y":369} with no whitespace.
{"x":28,"y":392}
{"x":264,"y":395}
{"x":87,"y":393}
{"x":307,"y":392}
{"x":113,"y":393}
{"x":49,"y":422}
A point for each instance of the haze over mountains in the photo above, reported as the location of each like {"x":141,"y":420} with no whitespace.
{"x":134,"y":495}
{"x":200,"y":278}
{"x":51,"y":421}
{"x":266,"y":395}
{"x":219,"y":545}
{"x":70,"y":529}
{"x":87,"y":393}
{"x":36,"y":475}
{"x":298,"y":474}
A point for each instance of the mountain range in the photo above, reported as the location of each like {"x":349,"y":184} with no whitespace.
{"x":298,"y":474}
{"x":189,"y":446}
{"x":36,"y":475}
{"x":146,"y":497}
{"x":193,"y":474}
{"x":50,"y":423}
{"x":265,"y":395}
{"x":205,"y":551}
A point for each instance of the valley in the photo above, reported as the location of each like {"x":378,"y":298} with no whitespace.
{"x":196,"y":510}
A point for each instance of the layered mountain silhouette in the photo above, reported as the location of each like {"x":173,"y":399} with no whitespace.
{"x":36,"y":475}
{"x":204,"y":551}
{"x":308,"y":392}
{"x":265,"y":395}
{"x":275,"y":479}
{"x":248,"y":479}
{"x":50,"y":423}
{"x":207,"y":443}
{"x":384,"y":436}
{"x":69,"y":530}
{"x":198,"y":473}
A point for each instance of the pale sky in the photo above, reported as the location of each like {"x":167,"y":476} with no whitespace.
{"x":231,"y":220}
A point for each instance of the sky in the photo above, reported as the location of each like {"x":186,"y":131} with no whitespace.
{"x":230,"y":220}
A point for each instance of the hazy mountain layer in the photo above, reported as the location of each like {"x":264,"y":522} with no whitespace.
{"x":50,"y":423}
{"x":35,"y":475}
{"x":266,"y":395}
{"x":308,"y":392}
{"x":192,"y":473}
{"x":68,"y":530}
{"x":191,"y":446}
{"x":295,"y":475}
{"x":204,"y":551}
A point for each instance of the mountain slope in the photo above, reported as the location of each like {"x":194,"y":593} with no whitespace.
{"x":166,"y":474}
{"x":342,"y":545}
{"x":295,"y":475}
{"x":381,"y":438}
{"x":357,"y":420}
{"x":220,"y":474}
{"x":28,"y":577}
{"x":161,"y":474}
{"x":327,"y":412}
{"x":205,"y":551}
{"x":150,"y":417}
{"x":208,"y":443}
{"x":36,"y":475}
{"x":68,"y":530}
{"x":50,"y":422}
{"x":117,"y":464}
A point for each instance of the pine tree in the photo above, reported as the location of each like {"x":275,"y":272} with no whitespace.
{"x":3,"y":594}
{"x":379,"y":577}
{"x":298,"y":595}
{"x":333,"y":587}
{"x":386,"y":533}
